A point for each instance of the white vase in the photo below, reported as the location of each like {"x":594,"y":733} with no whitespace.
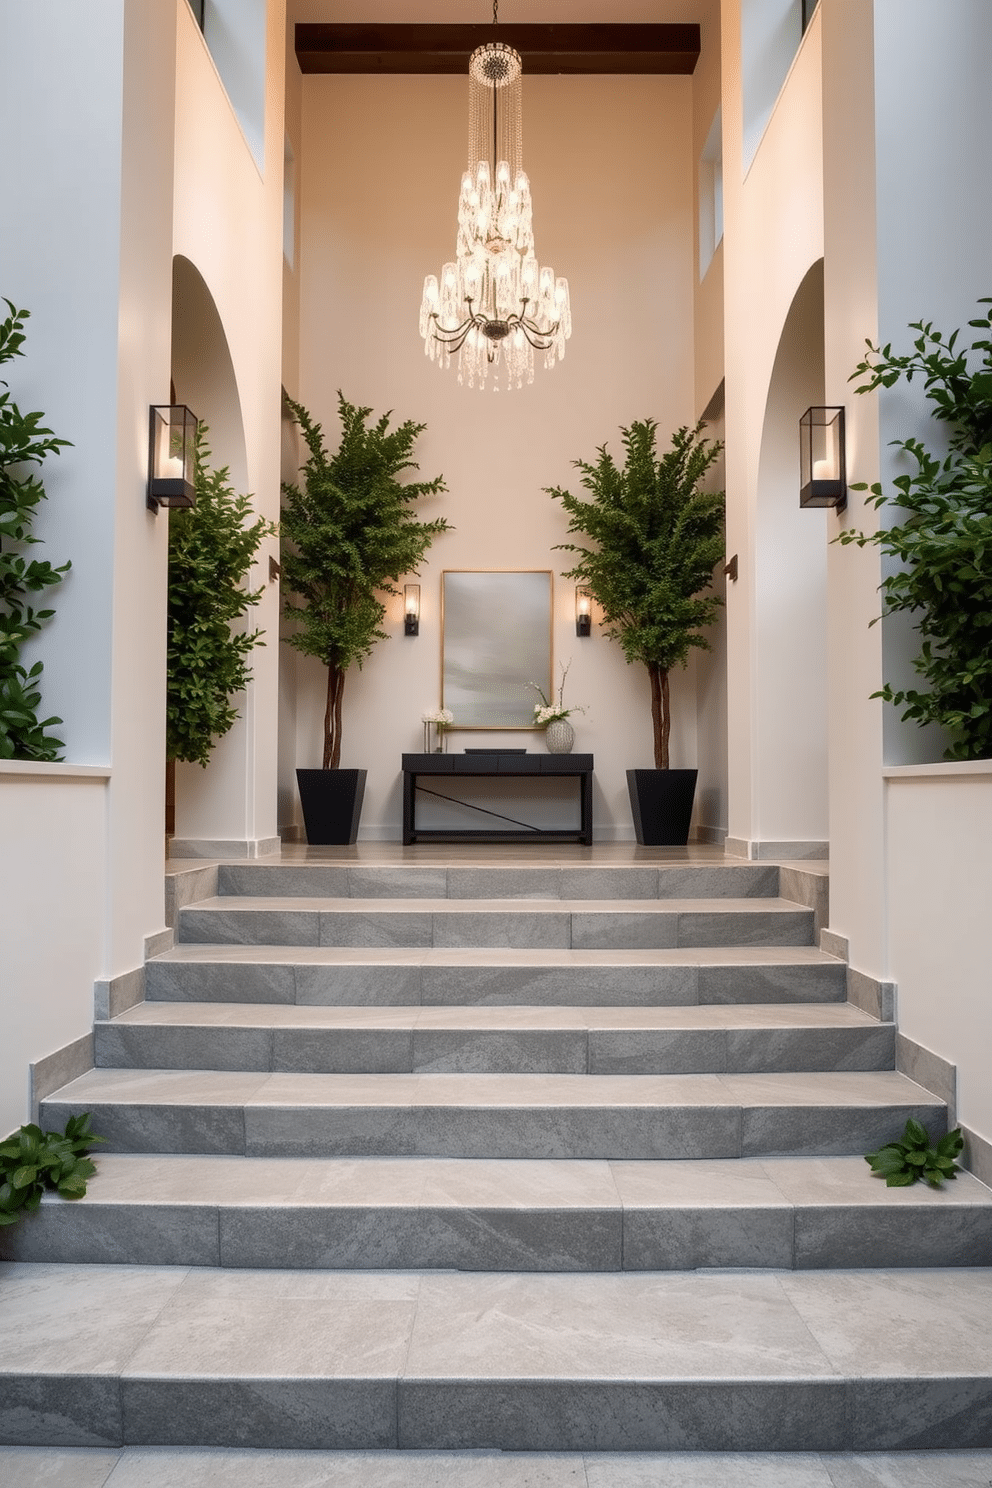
{"x":559,"y":736}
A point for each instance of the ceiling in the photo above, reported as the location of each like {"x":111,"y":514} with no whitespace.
{"x":479,"y":12}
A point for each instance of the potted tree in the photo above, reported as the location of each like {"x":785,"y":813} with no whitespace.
{"x":349,"y":533}
{"x":658,"y":536}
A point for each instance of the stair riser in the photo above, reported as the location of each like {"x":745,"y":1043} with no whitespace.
{"x":327,"y":881}
{"x":628,"y":1132}
{"x":371,"y":1237}
{"x":506,"y":986}
{"x":835,"y":1414}
{"x":517,"y":930}
{"x":550,"y":1051}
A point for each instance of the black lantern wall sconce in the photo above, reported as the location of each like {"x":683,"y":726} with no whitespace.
{"x":411,"y":609}
{"x":583,"y":610}
{"x":822,"y":458}
{"x":171,"y":456}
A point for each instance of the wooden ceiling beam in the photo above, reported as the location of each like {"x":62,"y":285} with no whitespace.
{"x":607,"y":48}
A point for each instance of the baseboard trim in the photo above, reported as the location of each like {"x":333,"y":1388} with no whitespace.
{"x":810,"y":887}
{"x":930,"y":1070}
{"x":117,"y":994}
{"x":784,"y":852}
{"x":977,"y":1156}
{"x":57,"y":1069}
{"x":877,"y":999}
{"x":833,"y":944}
{"x":223,"y":847}
{"x":717,"y":835}
{"x":185,"y":886}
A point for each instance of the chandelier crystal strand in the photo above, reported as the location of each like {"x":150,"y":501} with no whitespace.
{"x":495,"y":305}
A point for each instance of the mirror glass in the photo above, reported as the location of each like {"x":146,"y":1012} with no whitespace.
{"x":495,"y":641}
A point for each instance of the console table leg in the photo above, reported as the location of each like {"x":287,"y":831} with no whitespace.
{"x":409,"y":797}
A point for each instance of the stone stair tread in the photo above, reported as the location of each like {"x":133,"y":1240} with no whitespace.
{"x":495,"y":1017}
{"x":858,"y":1089}
{"x":810,"y":1360}
{"x":469,"y":956}
{"x":277,"y":904}
{"x":138,"y":1179}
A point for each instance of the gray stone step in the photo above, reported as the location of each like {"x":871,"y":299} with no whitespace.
{"x":209,"y":1467}
{"x":626,"y":924}
{"x":809,"y":1361}
{"x":505,"y":1215}
{"x":446,"y":1115}
{"x":487,"y":881}
{"x":494,"y":1040}
{"x":387,"y":976}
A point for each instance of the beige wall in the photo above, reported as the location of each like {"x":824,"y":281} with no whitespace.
{"x":774,"y":235}
{"x":228,"y":224}
{"x":610,"y":161}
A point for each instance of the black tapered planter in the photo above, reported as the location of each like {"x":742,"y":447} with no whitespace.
{"x":661,"y":804}
{"x":332,"y":804}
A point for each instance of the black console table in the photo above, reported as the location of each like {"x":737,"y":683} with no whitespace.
{"x":496,"y":766}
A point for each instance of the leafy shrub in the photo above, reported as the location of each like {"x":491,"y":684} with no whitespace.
{"x":32,"y":1160}
{"x":902,"y":1163}
{"x":210,"y":553}
{"x":942,"y":541}
{"x":24,"y":442}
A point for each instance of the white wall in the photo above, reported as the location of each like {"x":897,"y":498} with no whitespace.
{"x":228,"y":225}
{"x":81,"y":857}
{"x":939,"y":827}
{"x":774,"y":234}
{"x":611,"y":166}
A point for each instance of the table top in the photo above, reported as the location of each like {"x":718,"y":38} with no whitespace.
{"x":495,"y":763}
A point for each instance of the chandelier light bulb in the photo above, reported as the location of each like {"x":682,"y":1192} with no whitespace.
{"x":495,"y":305}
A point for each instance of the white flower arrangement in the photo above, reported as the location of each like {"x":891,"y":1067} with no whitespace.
{"x":546,"y":712}
{"x":442,"y":717}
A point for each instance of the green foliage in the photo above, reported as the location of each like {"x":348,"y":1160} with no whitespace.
{"x":658,"y":537}
{"x":32,"y":1160}
{"x":210,"y":553}
{"x":348,"y":535}
{"x":24,"y":442}
{"x":943,"y":540}
{"x":902,"y":1163}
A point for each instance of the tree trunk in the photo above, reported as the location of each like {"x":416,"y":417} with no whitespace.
{"x":661,"y":717}
{"x":332,"y":719}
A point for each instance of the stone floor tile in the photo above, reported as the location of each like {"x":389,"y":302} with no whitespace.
{"x":41,"y":1467}
{"x":953,"y":1469}
{"x":57,"y":1320}
{"x":871,"y":1324}
{"x":706,"y":1470}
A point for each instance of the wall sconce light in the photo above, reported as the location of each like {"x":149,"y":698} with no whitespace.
{"x":411,"y":609}
{"x":822,"y":458}
{"x":583,"y":610}
{"x":171,"y":456}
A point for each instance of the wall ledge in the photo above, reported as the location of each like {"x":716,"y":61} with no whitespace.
{"x":944,"y":770}
{"x":48,"y":770}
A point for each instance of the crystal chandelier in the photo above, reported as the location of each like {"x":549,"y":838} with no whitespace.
{"x":495,"y":304}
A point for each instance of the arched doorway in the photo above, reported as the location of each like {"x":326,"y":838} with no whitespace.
{"x":790,"y":644}
{"x":209,"y":804}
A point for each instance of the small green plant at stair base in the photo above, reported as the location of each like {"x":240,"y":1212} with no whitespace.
{"x":902,"y":1163}
{"x":32,"y":1160}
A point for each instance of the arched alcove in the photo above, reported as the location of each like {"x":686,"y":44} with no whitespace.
{"x":791,"y":592}
{"x":202,"y":369}
{"x":209,"y":803}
